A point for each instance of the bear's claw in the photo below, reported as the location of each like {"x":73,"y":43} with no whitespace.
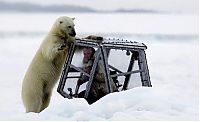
{"x":62,"y":47}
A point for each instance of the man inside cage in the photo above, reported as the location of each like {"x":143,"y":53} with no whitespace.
{"x":98,"y":87}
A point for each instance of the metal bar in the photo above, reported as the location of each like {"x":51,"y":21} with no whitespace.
{"x":73,"y":77}
{"x":77,"y":86}
{"x":130,"y":67}
{"x":106,"y":69}
{"x":127,"y":73}
{"x":65,"y":95}
{"x":125,"y":47}
{"x":72,"y":70}
{"x":86,"y":45}
{"x":79,"y":69}
{"x":64,"y":74}
{"x":115,"y":68}
{"x":92,"y":73}
{"x":142,"y":62}
{"x":113,"y":44}
{"x":76,"y":90}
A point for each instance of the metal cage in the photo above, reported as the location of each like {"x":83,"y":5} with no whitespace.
{"x":134,"y":49}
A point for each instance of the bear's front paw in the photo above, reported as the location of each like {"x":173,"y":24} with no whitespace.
{"x":62,"y":47}
{"x":95,"y":38}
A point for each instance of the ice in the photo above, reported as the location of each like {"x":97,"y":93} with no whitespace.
{"x":104,"y":23}
{"x":173,"y":64}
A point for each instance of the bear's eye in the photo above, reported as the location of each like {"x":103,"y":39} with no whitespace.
{"x":69,"y":26}
{"x":61,"y":22}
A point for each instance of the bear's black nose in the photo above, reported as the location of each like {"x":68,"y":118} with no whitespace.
{"x":73,"y":33}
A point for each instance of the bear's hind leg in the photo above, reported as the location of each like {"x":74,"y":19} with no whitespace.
{"x":34,"y":106}
{"x":45,"y":101}
{"x":45,"y":97}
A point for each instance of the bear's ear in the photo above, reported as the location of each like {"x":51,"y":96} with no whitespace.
{"x":73,"y":18}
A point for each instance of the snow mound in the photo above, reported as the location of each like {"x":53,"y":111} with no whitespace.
{"x":140,"y":103}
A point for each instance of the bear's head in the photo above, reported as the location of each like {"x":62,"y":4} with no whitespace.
{"x":64,"y":27}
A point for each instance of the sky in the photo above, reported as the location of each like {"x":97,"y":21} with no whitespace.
{"x":180,"y":6}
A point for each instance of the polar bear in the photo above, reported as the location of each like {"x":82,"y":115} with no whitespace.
{"x":46,"y":66}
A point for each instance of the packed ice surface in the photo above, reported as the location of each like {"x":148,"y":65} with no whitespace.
{"x":172,"y":56}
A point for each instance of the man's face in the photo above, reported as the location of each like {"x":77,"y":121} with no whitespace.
{"x":87,"y":52}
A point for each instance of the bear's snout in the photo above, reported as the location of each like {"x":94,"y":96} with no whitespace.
{"x":73,"y":33}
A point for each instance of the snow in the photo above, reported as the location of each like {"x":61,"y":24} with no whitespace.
{"x":173,"y":65}
{"x":123,"y":23}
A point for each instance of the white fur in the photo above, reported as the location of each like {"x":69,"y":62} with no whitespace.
{"x":46,"y":66}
